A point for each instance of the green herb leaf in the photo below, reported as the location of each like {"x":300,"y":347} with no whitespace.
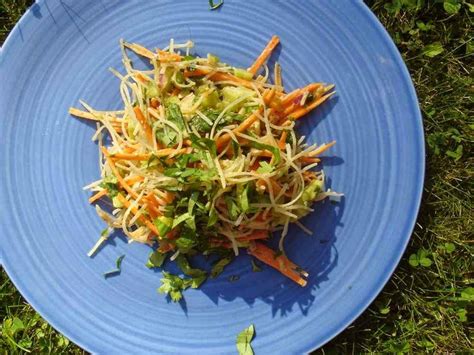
{"x":173,"y":113}
{"x":205,"y":144}
{"x":255,"y":267}
{"x":117,"y":270}
{"x":218,"y":267}
{"x":273,"y":149}
{"x":173,"y":285}
{"x":164,"y":225}
{"x":244,"y":339}
{"x":110,"y":183}
{"x":215,"y":6}
{"x":213,"y":217}
{"x":155,"y":259}
{"x":232,"y":207}
{"x":183,"y":264}
{"x":265,"y":168}
{"x":243,"y":198}
{"x":183,"y":218}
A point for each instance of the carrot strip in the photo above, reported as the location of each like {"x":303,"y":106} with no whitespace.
{"x":142,"y":119}
{"x":322,"y":149}
{"x":281,"y":263}
{"x":120,"y":179}
{"x":165,"y":56}
{"x":153,"y":205}
{"x":304,"y":110}
{"x":97,"y":195}
{"x":267,"y":51}
{"x":282,"y":141}
{"x":126,"y":156}
{"x":142,"y":218}
{"x":259,"y":234}
{"x":288,"y":98}
{"x":225,"y":138}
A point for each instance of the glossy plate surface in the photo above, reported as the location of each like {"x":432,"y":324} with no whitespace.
{"x":60,"y":52}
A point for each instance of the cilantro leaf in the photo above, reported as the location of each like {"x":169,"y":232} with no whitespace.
{"x":205,"y":144}
{"x":265,"y":168}
{"x":110,"y":183}
{"x":218,"y":267}
{"x":173,"y":114}
{"x":244,"y":339}
{"x":173,"y":285}
{"x":156,"y":259}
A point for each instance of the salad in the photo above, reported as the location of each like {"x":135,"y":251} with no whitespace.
{"x":204,"y":159}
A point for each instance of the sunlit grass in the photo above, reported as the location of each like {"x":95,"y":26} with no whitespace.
{"x":426,"y":304}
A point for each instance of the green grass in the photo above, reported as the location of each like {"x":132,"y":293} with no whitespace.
{"x":428,"y":304}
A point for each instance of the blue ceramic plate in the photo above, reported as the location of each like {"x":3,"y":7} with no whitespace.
{"x":60,"y":52}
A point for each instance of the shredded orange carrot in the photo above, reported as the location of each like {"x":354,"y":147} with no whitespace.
{"x":97,"y":195}
{"x":142,"y":218}
{"x":225,"y":138}
{"x":282,"y":141}
{"x":164,"y":56}
{"x":262,"y":58}
{"x":321,"y":149}
{"x":142,"y":119}
{"x":258,"y":234}
{"x":305,"y":110}
{"x":120,"y":179}
{"x":153,"y":205}
{"x":281,"y":262}
{"x":288,"y":99}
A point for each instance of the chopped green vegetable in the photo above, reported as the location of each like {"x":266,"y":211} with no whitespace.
{"x":255,"y":267}
{"x":244,"y":339}
{"x":110,"y":183}
{"x":156,"y":259}
{"x":273,"y":149}
{"x":215,"y":6}
{"x":173,"y":286}
{"x":243,"y":74}
{"x":265,"y":168}
{"x":163,"y":224}
{"x":218,"y":267}
{"x":117,"y":270}
{"x":311,"y":191}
